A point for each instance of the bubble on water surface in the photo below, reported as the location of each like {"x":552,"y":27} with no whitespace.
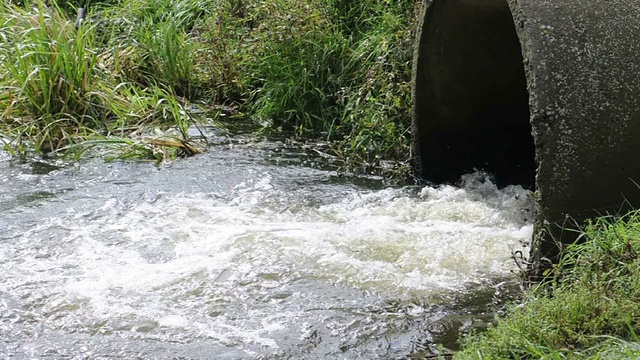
{"x":282,"y":262}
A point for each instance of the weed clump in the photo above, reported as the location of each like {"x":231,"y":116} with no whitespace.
{"x":591,"y":310}
{"x":326,"y":70}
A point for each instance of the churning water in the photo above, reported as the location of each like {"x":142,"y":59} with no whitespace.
{"x":240,"y":253}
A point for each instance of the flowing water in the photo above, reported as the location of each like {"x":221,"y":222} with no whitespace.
{"x":244,"y":252}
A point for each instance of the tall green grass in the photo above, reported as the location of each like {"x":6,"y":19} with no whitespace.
{"x":151,"y":43}
{"x":301,"y":68}
{"x":327,"y":70}
{"x":61,"y":87}
{"x":48,"y":75}
{"x":592,"y":310}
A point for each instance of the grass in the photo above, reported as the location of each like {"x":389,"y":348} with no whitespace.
{"x":47,"y":96}
{"x":62,"y":90}
{"x":321,"y":70}
{"x":588,"y":309}
{"x":339,"y":75}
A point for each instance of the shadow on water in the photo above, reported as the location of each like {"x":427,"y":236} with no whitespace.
{"x":43,"y":168}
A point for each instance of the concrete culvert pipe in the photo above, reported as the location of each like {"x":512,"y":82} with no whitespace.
{"x":542,"y":93}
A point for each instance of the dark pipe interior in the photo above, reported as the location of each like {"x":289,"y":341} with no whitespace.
{"x":471,"y":95}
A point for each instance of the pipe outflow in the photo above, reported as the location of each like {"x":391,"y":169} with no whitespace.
{"x":542,"y":93}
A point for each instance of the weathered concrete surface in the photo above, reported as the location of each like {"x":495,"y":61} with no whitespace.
{"x":533,"y":89}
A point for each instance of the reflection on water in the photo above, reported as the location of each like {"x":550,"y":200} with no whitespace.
{"x":229,"y":256}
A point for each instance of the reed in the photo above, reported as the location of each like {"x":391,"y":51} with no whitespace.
{"x":61,"y":87}
{"x":49,"y":73}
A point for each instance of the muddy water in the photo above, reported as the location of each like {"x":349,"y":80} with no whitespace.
{"x":244,"y":252}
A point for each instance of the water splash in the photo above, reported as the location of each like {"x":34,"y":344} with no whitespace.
{"x":279,"y":262}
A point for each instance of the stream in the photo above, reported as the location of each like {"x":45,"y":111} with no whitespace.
{"x":247,"y":251}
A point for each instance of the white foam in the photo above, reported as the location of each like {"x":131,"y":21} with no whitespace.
{"x":184,"y":257}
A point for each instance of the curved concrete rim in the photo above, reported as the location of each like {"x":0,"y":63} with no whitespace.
{"x":543,"y":93}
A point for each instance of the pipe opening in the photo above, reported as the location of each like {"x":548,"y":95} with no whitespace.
{"x":471,"y":99}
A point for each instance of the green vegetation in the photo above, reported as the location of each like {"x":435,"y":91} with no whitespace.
{"x":325,"y":70}
{"x":588,"y":309}
{"x":61,"y":89}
